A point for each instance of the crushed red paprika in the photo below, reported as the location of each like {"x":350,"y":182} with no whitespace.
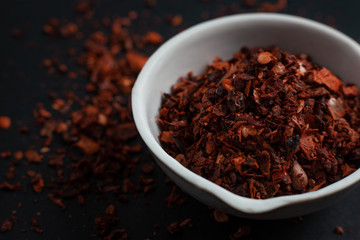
{"x":265,"y":123}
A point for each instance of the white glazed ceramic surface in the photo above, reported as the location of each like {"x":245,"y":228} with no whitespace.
{"x":196,"y":47}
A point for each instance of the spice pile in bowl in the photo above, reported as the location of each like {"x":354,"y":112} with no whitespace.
{"x":265,"y":123}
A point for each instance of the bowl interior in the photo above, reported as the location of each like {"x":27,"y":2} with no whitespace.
{"x":196,"y":47}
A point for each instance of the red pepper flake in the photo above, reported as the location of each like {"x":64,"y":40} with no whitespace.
{"x":339,"y":230}
{"x":153,"y":37}
{"x":5,"y":122}
{"x":242,"y":231}
{"x":336,"y":108}
{"x":265,"y":58}
{"x":6,"y":226}
{"x":69,"y":29}
{"x":119,"y":234}
{"x":35,"y":226}
{"x":6,"y":185}
{"x":105,"y":222}
{"x":18,"y":155}
{"x":310,"y":143}
{"x":36,"y":180}
{"x":6,"y":154}
{"x":350,"y":90}
{"x":57,"y":201}
{"x":176,"y":20}
{"x":87,"y":145}
{"x":32,"y":156}
{"x":220,"y":217}
{"x":62,"y":68}
{"x":44,"y":113}
{"x":324,"y":76}
{"x":174,"y":228}
{"x":136,"y":61}
{"x":279,"y":5}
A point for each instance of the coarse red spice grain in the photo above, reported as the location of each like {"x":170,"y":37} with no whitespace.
{"x":105,"y":222}
{"x":220,"y":217}
{"x":339,"y":230}
{"x":264,"y":123}
{"x":11,"y":187}
{"x":177,"y":227}
{"x":6,"y":226}
{"x":242,"y":231}
{"x":36,"y":227}
{"x":278,"y":6}
{"x":5,"y":122}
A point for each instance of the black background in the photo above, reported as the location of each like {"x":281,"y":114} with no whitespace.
{"x":24,"y":82}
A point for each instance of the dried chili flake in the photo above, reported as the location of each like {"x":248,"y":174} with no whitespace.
{"x":242,"y":231}
{"x":220,"y":217}
{"x":339,"y":230}
{"x":118,"y":234}
{"x":5,"y":122}
{"x":135,"y":60}
{"x":264,"y":123}
{"x":57,"y":201}
{"x":6,"y":185}
{"x":273,"y":7}
{"x":174,"y":228}
{"x":36,"y":227}
{"x":87,"y":145}
{"x":32,"y":156}
{"x":176,"y":20}
{"x":6,"y":226}
{"x":18,"y":155}
{"x":153,"y":37}
{"x":36,"y":180}
{"x":105,"y":222}
{"x":6,"y":154}
{"x":324,"y":76}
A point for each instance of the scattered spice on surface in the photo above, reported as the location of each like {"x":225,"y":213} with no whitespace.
{"x":176,"y":20}
{"x":6,"y":226}
{"x":5,"y":122}
{"x":264,"y":123}
{"x":36,"y":227}
{"x":105,"y":222}
{"x":11,"y":187}
{"x":242,"y":231}
{"x":220,"y":217}
{"x":339,"y":230}
{"x":278,"y":6}
{"x":32,"y":156}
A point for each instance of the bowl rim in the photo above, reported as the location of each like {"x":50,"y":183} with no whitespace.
{"x":237,"y":202}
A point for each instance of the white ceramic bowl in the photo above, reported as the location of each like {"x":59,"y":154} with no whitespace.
{"x":196,"y":47}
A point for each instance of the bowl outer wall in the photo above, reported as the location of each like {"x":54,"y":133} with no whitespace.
{"x":194,"y":48}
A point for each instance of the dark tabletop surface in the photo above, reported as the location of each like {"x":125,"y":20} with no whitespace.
{"x":24,"y":83}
